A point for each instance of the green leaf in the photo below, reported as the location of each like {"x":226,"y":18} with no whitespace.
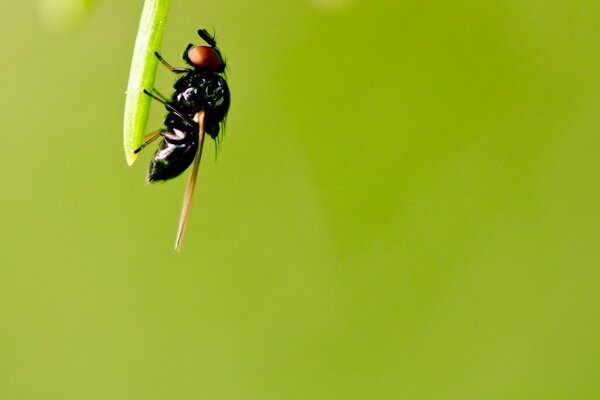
{"x":142,"y":74}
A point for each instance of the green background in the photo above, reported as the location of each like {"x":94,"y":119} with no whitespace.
{"x":405,"y":206}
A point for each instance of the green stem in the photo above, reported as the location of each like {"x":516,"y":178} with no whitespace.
{"x":142,"y":74}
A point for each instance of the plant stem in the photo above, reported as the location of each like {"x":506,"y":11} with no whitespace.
{"x":142,"y":74}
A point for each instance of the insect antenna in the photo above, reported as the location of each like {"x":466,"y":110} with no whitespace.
{"x":207,"y":37}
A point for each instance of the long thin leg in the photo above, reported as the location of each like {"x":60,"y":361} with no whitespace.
{"x":166,"y":104}
{"x":169,"y":66}
{"x":149,"y":138}
{"x":160,"y":95}
{"x":191,"y":184}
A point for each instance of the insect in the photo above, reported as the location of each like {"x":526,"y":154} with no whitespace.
{"x":198,"y":106}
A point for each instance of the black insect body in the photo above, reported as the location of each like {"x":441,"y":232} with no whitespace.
{"x":199,"y":105}
{"x":177,"y":150}
{"x":201,"y":88}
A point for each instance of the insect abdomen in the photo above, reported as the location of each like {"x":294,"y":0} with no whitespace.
{"x":175,"y":153}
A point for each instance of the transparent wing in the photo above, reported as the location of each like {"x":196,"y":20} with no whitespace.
{"x":191,"y":184}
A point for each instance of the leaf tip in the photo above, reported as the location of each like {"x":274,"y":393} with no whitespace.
{"x":130,"y":158}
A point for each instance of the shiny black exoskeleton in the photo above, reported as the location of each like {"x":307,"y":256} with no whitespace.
{"x":200,"y":88}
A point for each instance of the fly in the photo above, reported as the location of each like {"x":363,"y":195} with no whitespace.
{"x":198,"y":107}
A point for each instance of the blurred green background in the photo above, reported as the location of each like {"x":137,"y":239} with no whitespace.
{"x":405,"y":206}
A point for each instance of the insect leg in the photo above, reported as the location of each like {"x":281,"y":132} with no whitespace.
{"x":169,"y":66}
{"x":159,"y":94}
{"x":166,"y":104}
{"x":191,"y":184}
{"x":149,"y":138}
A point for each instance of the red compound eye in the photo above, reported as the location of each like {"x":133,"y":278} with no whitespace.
{"x":206,"y":58}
